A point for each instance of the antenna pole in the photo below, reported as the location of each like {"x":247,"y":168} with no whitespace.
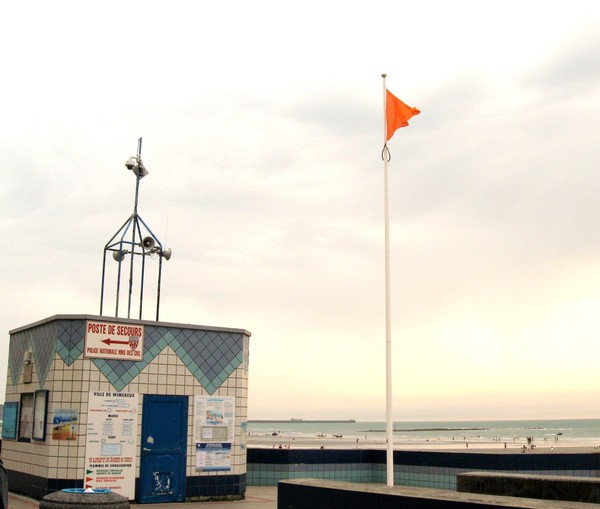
{"x":135,"y":246}
{"x":138,"y":177}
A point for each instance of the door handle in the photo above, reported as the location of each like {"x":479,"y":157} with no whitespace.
{"x":145,"y":449}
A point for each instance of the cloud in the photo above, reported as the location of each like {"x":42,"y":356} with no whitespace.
{"x":263,"y":143}
{"x":571,"y":70}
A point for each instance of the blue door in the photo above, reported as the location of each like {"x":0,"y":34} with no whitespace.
{"x":163,"y":454}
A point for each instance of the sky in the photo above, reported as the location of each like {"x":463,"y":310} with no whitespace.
{"x":262,"y":128}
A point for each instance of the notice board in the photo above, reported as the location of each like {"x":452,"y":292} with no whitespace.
{"x":111,"y":442}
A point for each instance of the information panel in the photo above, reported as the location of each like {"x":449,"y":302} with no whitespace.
{"x":213,"y":457}
{"x":111,"y":442}
{"x":214,"y":419}
{"x":214,"y":431}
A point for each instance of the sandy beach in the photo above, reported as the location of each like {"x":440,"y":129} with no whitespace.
{"x":458,"y":444}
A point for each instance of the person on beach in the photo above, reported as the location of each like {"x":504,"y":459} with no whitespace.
{"x":3,"y":486}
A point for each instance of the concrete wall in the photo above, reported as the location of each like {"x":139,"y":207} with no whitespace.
{"x":577,"y":489}
{"x":319,"y":494}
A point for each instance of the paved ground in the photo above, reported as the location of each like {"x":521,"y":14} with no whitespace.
{"x":257,"y":497}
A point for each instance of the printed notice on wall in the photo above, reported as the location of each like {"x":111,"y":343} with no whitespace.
{"x":111,"y":442}
{"x":213,"y":457}
{"x":214,"y":419}
{"x":214,"y":431}
{"x":104,"y":340}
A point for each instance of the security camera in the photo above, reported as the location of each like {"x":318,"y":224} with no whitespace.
{"x":131,"y":163}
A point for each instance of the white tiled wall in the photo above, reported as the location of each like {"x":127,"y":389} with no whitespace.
{"x":69,"y":387}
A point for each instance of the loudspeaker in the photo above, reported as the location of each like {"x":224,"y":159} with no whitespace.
{"x":118,"y":256}
{"x":148,"y":242}
{"x":167,"y":254}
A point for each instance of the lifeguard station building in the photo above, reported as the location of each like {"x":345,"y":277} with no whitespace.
{"x":157,"y":418}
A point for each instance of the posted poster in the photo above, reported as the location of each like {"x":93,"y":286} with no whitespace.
{"x":111,"y":442}
{"x":214,"y":432}
{"x":213,"y":457}
{"x":10,"y":419}
{"x":64,"y":424}
{"x":214,"y":419}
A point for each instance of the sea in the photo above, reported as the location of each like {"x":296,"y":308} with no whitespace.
{"x":571,"y":430}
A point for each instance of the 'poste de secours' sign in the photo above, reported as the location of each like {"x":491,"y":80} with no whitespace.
{"x":105,"y":340}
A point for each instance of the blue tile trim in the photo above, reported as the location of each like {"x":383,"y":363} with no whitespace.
{"x":195,"y":486}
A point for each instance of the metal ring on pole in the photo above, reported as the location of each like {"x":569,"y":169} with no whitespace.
{"x":385,"y":153}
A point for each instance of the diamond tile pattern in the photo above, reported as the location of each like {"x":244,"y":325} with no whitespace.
{"x":71,"y":334}
{"x":41,"y":342}
{"x":210,"y":355}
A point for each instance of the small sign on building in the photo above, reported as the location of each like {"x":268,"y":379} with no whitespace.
{"x":105,"y":340}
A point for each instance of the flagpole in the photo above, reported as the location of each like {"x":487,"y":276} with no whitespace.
{"x":388,"y":326}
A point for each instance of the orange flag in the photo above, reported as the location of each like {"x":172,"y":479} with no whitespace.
{"x":397,"y":113}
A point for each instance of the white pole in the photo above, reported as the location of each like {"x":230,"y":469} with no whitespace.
{"x":388,"y":326}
